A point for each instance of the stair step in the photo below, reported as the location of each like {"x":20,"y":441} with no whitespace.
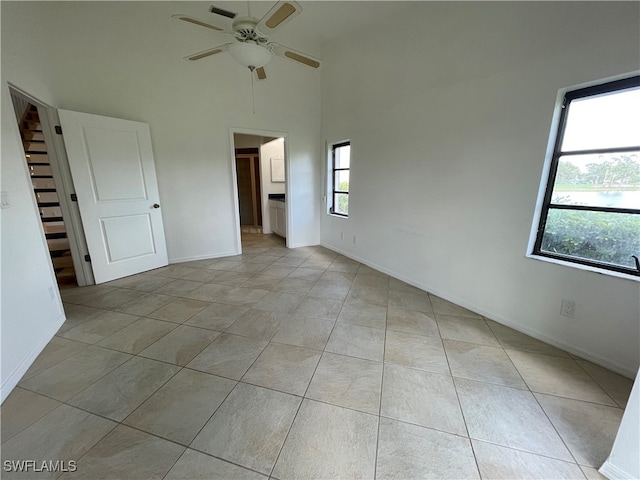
{"x":37,"y":158}
{"x":35,"y":147}
{"x":63,"y":262}
{"x":40,"y":170}
{"x":58,"y":244}
{"x":30,"y":135}
{"x":53,"y":228}
{"x":50,"y":212}
{"x":55,"y":232}
{"x":66,"y":274}
{"x":47,"y":197}
{"x":40,"y":184}
{"x":53,"y":236}
{"x":31,"y":125}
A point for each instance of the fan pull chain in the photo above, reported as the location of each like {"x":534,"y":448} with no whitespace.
{"x":253,"y":95}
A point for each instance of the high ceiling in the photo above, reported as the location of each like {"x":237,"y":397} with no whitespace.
{"x":152,"y":35}
{"x":320,"y":21}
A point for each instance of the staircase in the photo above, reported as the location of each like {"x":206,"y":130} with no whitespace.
{"x":44,"y":188}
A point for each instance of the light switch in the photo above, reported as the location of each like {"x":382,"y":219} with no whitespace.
{"x":5,"y":200}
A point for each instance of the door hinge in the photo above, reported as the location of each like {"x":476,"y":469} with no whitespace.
{"x":87,"y":258}
{"x":74,"y":197}
{"x":58,"y":129}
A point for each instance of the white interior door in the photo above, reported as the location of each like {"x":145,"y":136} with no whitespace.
{"x":114,"y":176}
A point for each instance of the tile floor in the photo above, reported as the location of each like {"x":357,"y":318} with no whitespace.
{"x":297,"y":364}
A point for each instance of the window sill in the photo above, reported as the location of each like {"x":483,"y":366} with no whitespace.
{"x":588,"y":268}
{"x":337,"y":215}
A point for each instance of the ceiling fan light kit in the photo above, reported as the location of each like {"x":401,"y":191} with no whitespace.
{"x":252,"y":48}
{"x":249,"y":54}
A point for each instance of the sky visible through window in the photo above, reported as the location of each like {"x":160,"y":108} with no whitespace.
{"x":604,"y":121}
{"x":601,"y":179}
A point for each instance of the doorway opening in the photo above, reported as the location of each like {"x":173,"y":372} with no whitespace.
{"x":249,"y":192}
{"x":259,"y":165}
{"x":47,"y":193}
{"x":120,"y":219}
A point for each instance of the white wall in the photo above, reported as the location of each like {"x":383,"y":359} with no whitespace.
{"x":448,"y":108}
{"x":623,"y":462}
{"x":124,"y":59}
{"x":273,"y":149}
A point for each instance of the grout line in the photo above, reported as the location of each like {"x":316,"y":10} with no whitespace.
{"x":598,"y":383}
{"x":555,"y":429}
{"x":284,"y":442}
{"x":489,"y":442}
{"x":322,"y":257}
{"x":384,"y":353}
{"x":455,"y":390}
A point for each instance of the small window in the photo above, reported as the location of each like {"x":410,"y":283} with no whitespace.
{"x":591,"y":209}
{"x":340,"y":164}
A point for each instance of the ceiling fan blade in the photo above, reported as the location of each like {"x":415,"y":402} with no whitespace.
{"x":282,"y":12}
{"x":292,"y":54}
{"x":209,"y":52}
{"x":195,"y":21}
{"x":261,"y":73}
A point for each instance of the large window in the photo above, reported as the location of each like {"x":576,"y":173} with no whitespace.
{"x":591,"y":209}
{"x":340,"y":164}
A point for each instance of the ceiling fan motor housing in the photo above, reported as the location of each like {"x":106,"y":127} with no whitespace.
{"x":245,"y":30}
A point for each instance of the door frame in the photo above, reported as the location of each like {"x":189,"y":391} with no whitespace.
{"x":234,"y":178}
{"x":64,"y":186}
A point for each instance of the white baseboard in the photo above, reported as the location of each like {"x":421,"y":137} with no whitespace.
{"x":300,"y":245}
{"x":12,"y":380}
{"x":574,"y":349}
{"x":202,"y":257}
{"x":612,"y":472}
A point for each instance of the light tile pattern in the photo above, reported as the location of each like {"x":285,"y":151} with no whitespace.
{"x":402,"y":448}
{"x":326,"y":441}
{"x":348,"y":382}
{"x":127,"y":453}
{"x":301,"y":364}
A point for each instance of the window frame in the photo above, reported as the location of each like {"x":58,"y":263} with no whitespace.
{"x":547,"y":204}
{"x":334,"y":147}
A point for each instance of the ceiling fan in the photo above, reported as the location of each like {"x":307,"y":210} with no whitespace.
{"x":252,"y":47}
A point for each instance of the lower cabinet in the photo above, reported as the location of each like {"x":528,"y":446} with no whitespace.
{"x":278,"y":217}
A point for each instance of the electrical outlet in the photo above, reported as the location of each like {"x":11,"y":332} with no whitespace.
{"x":341,"y":235}
{"x":52,"y":294}
{"x":568,"y":308}
{"x":355,"y":239}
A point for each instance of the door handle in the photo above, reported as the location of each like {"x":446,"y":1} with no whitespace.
{"x":155,"y":205}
